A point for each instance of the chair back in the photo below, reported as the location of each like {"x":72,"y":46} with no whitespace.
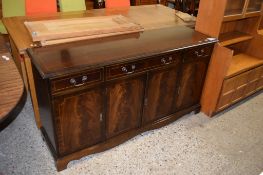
{"x":40,"y":6}
{"x":13,"y":8}
{"x":117,"y":3}
{"x":72,"y":5}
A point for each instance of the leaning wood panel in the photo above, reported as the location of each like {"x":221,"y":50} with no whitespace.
{"x":218,"y":67}
{"x":209,"y":22}
{"x":241,"y":63}
{"x":78,"y":27}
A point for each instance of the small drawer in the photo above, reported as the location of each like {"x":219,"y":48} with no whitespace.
{"x":225,"y":100}
{"x":125,"y":69}
{"x":260,"y":84}
{"x":229,"y":85}
{"x":197,"y":53}
{"x":129,"y":68}
{"x":77,"y":80}
{"x":163,"y":60}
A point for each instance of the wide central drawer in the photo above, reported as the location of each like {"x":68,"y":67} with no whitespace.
{"x":132,"y":67}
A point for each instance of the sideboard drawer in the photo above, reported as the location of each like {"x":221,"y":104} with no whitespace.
{"x":119,"y":70}
{"x":77,"y":80}
{"x":197,"y":53}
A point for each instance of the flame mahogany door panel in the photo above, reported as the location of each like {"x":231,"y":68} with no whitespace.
{"x":124,"y":103}
{"x":79,"y":120}
{"x":161,"y":93}
{"x":195,"y":63}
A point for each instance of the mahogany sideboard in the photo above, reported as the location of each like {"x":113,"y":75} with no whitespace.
{"x":93,"y":95}
{"x":148,"y":16}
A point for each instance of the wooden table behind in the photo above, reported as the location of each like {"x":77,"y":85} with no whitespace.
{"x":12,"y":94}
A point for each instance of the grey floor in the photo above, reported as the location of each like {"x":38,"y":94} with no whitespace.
{"x":230,"y":143}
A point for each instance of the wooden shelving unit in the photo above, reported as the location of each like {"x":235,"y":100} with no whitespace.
{"x":237,"y":58}
{"x":233,"y":37}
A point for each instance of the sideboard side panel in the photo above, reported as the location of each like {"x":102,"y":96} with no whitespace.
{"x":45,"y":107}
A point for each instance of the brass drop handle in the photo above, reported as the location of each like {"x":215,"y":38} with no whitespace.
{"x":84,"y":78}
{"x":125,"y":70}
{"x":163,"y":60}
{"x":74,"y":82}
{"x":201,"y":54}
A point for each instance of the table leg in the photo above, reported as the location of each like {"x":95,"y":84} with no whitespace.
{"x":31,"y":83}
{"x":24,"y":66}
{"x":20,"y":64}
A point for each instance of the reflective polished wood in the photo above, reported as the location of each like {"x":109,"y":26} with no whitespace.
{"x":96,"y":94}
{"x":12,"y":91}
{"x":148,"y":16}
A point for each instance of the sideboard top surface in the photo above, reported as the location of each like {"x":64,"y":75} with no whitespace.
{"x":61,"y":59}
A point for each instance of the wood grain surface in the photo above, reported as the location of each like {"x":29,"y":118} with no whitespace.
{"x":241,"y":63}
{"x":193,"y":72}
{"x":219,"y":64}
{"x":161,"y":94}
{"x":148,"y":16}
{"x":11,"y":87}
{"x":75,"y":56}
{"x":45,"y":30}
{"x":124,"y":104}
{"x":80,"y":120}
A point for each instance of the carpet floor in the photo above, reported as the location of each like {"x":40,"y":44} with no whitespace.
{"x":230,"y":143}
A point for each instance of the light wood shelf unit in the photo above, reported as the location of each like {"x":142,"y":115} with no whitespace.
{"x":239,"y":51}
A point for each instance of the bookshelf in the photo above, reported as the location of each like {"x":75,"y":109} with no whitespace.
{"x":238,"y":57}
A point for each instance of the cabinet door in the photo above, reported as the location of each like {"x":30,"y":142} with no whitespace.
{"x":192,"y":78}
{"x":124,"y":104}
{"x":79,"y":120}
{"x":234,"y":7}
{"x":160,"y":94}
{"x":254,"y":5}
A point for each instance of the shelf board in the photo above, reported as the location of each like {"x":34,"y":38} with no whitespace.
{"x":233,"y":17}
{"x":260,"y":31}
{"x":233,"y":12}
{"x":252,"y":14}
{"x":241,"y":63}
{"x":233,"y":37}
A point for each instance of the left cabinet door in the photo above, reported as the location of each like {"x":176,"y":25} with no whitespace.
{"x":79,"y":120}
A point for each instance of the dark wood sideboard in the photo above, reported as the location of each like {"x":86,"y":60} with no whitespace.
{"x":96,"y":94}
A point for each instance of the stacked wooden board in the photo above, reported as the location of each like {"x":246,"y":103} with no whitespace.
{"x":50,"y":32}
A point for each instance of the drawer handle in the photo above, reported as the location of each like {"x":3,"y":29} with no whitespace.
{"x":202,"y":54}
{"x":125,"y":70}
{"x":163,"y":60}
{"x":74,"y":82}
